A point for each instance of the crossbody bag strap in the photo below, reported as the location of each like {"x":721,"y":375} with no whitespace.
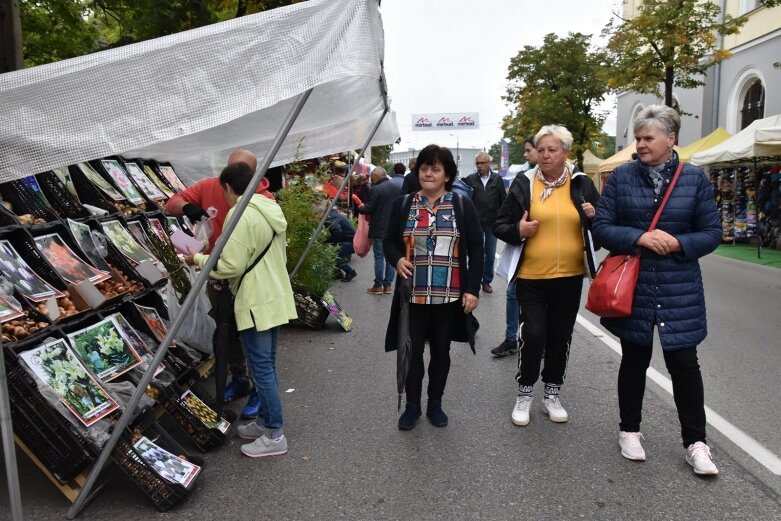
{"x":666,"y":196}
{"x":256,"y":261}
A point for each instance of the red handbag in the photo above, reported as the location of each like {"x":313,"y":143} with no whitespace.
{"x":613,"y":289}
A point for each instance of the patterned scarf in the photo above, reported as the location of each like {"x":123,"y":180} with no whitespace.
{"x":661,"y":174}
{"x":550,"y":186}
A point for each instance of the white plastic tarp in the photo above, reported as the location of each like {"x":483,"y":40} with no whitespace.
{"x":192,"y":97}
{"x":741,"y":146}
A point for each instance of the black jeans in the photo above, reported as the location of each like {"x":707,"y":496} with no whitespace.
{"x":432,"y":322}
{"x":549,"y":308}
{"x":688,"y":391}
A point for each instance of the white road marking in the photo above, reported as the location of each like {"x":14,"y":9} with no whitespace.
{"x":748,"y":444}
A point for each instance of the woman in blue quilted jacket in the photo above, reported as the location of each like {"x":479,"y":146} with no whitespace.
{"x":669,"y":294}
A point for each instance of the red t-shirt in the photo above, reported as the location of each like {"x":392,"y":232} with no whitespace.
{"x":208,"y":193}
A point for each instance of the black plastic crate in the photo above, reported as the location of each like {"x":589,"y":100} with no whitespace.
{"x":310,"y":309}
{"x":62,"y":449}
{"x":10,"y":339}
{"x":89,"y":193}
{"x":205,"y":438}
{"x":7,"y":217}
{"x":60,"y":198}
{"x":163,"y":493}
{"x":24,"y":200}
{"x":131,"y":208}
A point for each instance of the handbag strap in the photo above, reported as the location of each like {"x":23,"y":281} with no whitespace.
{"x":666,"y":196}
{"x":256,"y":261}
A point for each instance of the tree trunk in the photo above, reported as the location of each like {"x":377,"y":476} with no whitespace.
{"x":10,"y":36}
{"x":241,"y":10}
{"x":669,"y":76}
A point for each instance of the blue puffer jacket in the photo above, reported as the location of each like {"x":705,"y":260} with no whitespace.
{"x":669,"y":290}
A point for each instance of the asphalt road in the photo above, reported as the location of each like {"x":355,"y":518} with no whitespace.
{"x":348,"y":460}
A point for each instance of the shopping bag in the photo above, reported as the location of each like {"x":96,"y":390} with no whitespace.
{"x":361,"y":242}
{"x":197,"y":330}
{"x":613,"y":289}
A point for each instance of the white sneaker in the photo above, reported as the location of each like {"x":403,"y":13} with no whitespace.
{"x":630,"y":445}
{"x":698,"y":456}
{"x":521,"y":410}
{"x":552,"y":407}
{"x":265,"y":447}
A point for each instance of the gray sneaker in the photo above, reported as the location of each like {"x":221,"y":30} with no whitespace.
{"x":252,"y":431}
{"x":265,"y":447}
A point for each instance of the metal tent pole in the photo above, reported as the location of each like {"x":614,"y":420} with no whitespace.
{"x":756,"y":210}
{"x":333,"y":201}
{"x":9,"y":448}
{"x":214,"y":256}
{"x":312,"y":239}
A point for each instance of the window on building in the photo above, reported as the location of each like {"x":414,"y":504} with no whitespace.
{"x":747,"y":5}
{"x":753,"y":104}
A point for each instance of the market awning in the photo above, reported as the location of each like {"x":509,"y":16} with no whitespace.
{"x":192,"y":97}
{"x":741,"y":146}
{"x":590,"y":162}
{"x":619,"y":158}
{"x":704,"y":143}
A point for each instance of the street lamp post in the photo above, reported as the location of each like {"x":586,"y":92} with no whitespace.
{"x":458,"y":157}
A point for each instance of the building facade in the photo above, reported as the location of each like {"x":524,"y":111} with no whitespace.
{"x":741,"y":89}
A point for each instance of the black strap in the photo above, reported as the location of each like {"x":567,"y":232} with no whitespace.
{"x":255,"y":262}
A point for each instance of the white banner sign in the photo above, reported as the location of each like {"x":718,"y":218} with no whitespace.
{"x":446,"y":121}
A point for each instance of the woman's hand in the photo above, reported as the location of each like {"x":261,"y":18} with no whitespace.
{"x":527,"y":228}
{"x":189,"y":257}
{"x":469,"y":302}
{"x":659,"y":242}
{"x":589,"y":210}
{"x":404,"y":268}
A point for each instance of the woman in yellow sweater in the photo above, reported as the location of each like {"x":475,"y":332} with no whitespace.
{"x":549,"y":213}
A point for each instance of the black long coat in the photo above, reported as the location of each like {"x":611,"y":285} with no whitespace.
{"x":470,"y":255}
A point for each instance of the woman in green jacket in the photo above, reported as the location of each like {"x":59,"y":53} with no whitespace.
{"x":254,"y":263}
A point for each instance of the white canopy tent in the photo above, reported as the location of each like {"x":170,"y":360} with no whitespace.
{"x":191,"y":97}
{"x":304,"y":79}
{"x":742,"y":146}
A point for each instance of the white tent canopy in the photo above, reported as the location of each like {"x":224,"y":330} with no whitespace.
{"x":742,"y":146}
{"x":192,"y":97}
{"x":770,"y":136}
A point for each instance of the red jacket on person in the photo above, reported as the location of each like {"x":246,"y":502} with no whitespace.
{"x":208,"y":193}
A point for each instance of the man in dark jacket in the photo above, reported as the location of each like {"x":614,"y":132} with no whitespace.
{"x":381,"y":197}
{"x":488,"y":194}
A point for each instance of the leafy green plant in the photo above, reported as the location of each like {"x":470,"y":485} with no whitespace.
{"x":298,"y":204}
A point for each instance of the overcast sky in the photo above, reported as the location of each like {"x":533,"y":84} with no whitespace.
{"x":452,"y":56}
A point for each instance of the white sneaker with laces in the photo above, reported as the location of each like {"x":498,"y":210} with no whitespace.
{"x":521,"y":410}
{"x":265,"y":447}
{"x":630,"y":445}
{"x":698,"y":456}
{"x":552,"y":407}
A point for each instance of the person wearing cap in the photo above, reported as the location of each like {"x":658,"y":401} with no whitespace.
{"x":204,"y":194}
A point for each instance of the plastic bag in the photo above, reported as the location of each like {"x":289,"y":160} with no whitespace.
{"x":197,"y":330}
{"x":203,"y":229}
{"x":361,"y":242}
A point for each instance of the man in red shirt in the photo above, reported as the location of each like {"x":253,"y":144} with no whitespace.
{"x":193,"y":203}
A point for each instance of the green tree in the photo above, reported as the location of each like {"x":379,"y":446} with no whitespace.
{"x":563,"y":81}
{"x":381,"y":155}
{"x":670,"y":43}
{"x":54,"y":30}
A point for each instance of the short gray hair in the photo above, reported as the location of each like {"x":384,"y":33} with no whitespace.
{"x":666,"y":118}
{"x":560,"y":132}
{"x":484,"y":154}
{"x":379,"y":171}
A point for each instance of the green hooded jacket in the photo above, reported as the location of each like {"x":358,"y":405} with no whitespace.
{"x":265,"y":298}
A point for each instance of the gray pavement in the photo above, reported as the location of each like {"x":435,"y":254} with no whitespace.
{"x":348,"y":460}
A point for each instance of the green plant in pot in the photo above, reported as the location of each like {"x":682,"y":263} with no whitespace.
{"x":316,"y":273}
